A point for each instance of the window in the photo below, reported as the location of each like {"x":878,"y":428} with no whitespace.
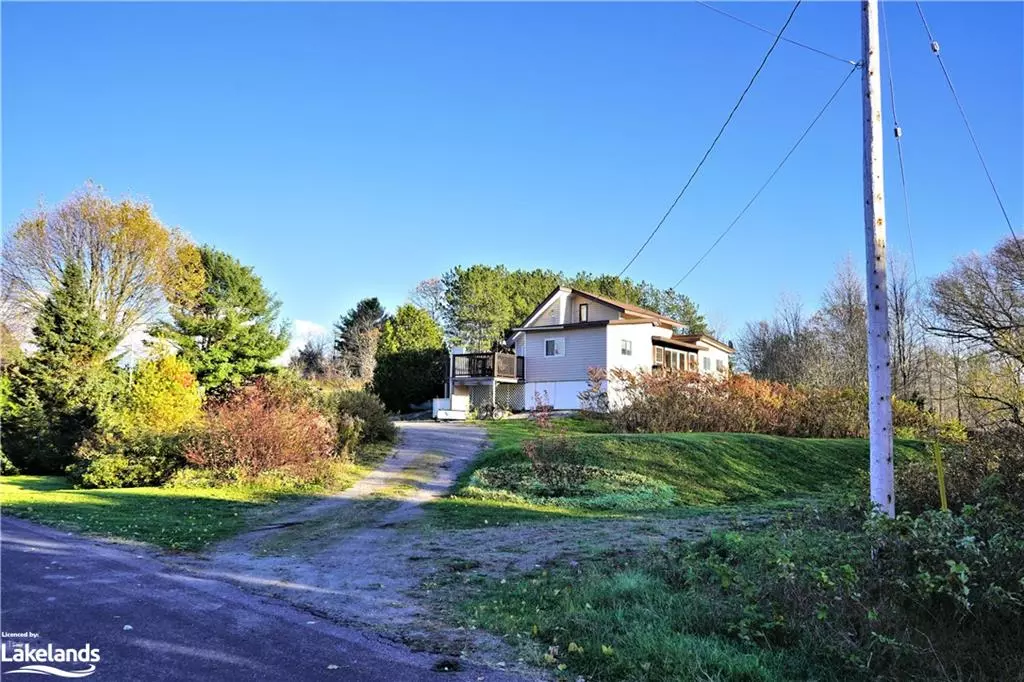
{"x":659,"y":355}
{"x":720,"y":365}
{"x":554,"y":348}
{"x":627,"y":347}
{"x":707,"y":364}
{"x":584,"y":312}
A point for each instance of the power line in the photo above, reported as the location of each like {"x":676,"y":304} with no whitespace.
{"x":898,"y":134}
{"x":714,"y":142}
{"x":762,"y":29}
{"x":967,"y":124}
{"x":771,"y":177}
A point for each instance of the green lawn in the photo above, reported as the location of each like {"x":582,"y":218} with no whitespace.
{"x":176,"y":518}
{"x":181,"y":518}
{"x":631,"y":615}
{"x":704,"y":470}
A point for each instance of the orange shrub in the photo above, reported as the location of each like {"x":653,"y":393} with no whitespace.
{"x":261,"y":427}
{"x":689,"y":401}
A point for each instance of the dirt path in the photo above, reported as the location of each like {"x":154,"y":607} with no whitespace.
{"x":365,"y":558}
{"x":355,"y":557}
{"x":425,"y":463}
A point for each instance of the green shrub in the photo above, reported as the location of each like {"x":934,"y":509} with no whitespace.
{"x":988,"y":464}
{"x":910,"y":598}
{"x":315,"y":476}
{"x":819,"y":595}
{"x":7,"y":468}
{"x":572,"y":486}
{"x":51,"y":413}
{"x":192,"y":477}
{"x":350,"y":431}
{"x":112,"y":462}
{"x":376,"y":425}
{"x":911,"y":422}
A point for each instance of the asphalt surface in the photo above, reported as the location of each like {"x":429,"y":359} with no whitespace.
{"x":151,"y":623}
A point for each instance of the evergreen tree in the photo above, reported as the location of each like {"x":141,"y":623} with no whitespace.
{"x":229,"y":331}
{"x":410,"y":359}
{"x":410,"y":328}
{"x":676,"y":306}
{"x":355,"y":338}
{"x":311,"y":361}
{"x":479,"y":309}
{"x":61,"y":392}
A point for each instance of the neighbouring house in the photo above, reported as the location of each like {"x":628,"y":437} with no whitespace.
{"x":554,"y":348}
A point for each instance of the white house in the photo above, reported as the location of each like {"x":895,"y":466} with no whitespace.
{"x":570,"y":332}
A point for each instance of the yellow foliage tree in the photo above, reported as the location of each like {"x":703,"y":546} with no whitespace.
{"x":132,"y":263}
{"x":164,"y":397}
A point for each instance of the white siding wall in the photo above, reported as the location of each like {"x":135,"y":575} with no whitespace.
{"x":714,"y":355}
{"x":562,"y":395}
{"x":640,"y":336}
{"x":641,"y":359}
{"x":584,"y":348}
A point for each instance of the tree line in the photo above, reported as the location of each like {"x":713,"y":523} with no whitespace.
{"x":83,"y":279}
{"x":956,"y":341}
{"x":402,"y":356}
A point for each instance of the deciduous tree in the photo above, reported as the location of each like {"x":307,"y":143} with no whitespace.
{"x":429,"y":295}
{"x":131,"y":263}
{"x":906,"y":335}
{"x":979,"y":303}
{"x":841,"y":326}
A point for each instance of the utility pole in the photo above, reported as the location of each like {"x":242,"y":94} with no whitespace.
{"x":883,"y":498}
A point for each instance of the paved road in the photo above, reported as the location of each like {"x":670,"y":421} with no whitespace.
{"x":150,"y":623}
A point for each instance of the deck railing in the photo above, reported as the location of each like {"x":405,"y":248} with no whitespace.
{"x":500,"y":365}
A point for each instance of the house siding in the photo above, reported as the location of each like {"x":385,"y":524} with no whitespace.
{"x":596,"y":311}
{"x":713,"y":354}
{"x":640,"y":361}
{"x":640,"y":336}
{"x":584,"y":348}
{"x":565,"y":309}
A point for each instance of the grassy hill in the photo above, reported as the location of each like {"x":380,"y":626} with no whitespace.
{"x":700,"y":470}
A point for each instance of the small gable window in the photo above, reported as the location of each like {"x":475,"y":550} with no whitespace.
{"x":707,"y":364}
{"x":627,"y":347}
{"x":584,"y":312}
{"x":554,"y":348}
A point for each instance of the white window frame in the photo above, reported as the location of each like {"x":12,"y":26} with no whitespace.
{"x":720,"y":365}
{"x":584,"y":312}
{"x":706,"y":363}
{"x":659,"y":352}
{"x":626,"y":347}
{"x":559,"y":342}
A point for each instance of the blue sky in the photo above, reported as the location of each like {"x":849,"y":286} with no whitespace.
{"x":351,"y":150}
